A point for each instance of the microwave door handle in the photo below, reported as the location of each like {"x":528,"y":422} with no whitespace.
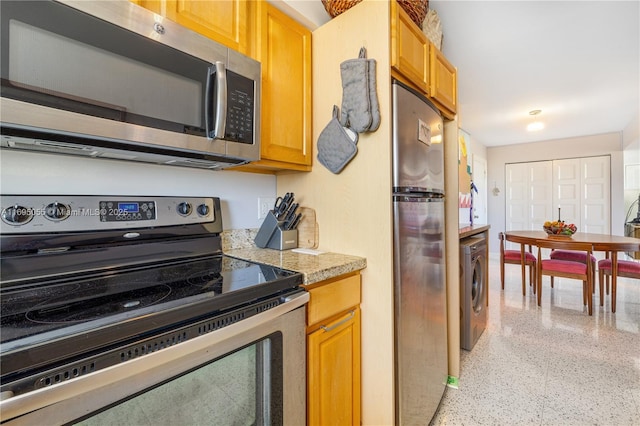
{"x":218,"y":77}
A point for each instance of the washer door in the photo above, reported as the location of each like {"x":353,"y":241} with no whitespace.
{"x":477,"y":285}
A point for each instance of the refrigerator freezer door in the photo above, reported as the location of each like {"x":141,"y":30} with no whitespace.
{"x":420,"y":307}
{"x":418,"y":155}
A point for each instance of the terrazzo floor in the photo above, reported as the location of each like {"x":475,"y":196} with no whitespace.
{"x":553,"y":364}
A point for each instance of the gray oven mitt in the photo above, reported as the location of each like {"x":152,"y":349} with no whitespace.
{"x":360,"y":108}
{"x":336,"y":144}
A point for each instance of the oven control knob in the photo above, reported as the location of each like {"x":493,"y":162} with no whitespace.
{"x":17,"y":215}
{"x":184,"y":209}
{"x":57,"y":211}
{"x":203,"y":209}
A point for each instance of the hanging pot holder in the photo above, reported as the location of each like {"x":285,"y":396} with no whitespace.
{"x":336,"y":144}
{"x":360,"y":109}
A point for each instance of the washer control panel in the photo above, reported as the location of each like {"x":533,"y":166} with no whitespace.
{"x":69,"y":213}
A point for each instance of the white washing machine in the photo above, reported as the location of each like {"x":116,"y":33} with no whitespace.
{"x":473,"y":290}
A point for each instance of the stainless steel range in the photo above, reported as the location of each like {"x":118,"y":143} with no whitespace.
{"x":120,"y":306}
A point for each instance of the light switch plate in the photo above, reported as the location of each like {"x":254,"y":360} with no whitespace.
{"x":264,"y":205}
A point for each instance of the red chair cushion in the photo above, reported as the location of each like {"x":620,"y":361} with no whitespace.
{"x":564,"y":266}
{"x":625,"y":266}
{"x":515,"y":255}
{"x":573,"y":256}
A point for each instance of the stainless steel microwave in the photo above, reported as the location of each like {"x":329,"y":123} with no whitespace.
{"x":110,"y":79}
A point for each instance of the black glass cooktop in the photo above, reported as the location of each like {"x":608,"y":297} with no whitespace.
{"x":118,"y":305}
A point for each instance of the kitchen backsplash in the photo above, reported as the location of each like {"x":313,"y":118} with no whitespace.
{"x":233,"y":239}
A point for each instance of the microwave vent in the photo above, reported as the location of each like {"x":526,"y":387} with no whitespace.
{"x":186,"y":162}
{"x":48,"y":146}
{"x":118,"y":155}
{"x":34,"y":140}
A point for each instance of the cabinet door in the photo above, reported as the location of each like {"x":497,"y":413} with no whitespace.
{"x":284,"y":49}
{"x":156,"y":6}
{"x":333,"y":396}
{"x":409,"y":48}
{"x":443,"y":80}
{"x":226,"y":21}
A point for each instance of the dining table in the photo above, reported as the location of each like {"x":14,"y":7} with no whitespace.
{"x":610,"y":244}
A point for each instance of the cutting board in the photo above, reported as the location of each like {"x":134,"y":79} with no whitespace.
{"x":307,"y":228}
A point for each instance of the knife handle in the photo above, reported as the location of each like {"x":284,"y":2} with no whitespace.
{"x":295,"y":221}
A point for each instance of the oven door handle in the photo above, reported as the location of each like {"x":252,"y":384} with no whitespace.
{"x":59,"y":403}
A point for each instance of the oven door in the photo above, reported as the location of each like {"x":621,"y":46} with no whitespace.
{"x":250,"y":372}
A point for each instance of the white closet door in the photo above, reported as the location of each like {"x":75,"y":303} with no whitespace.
{"x":596,"y":196}
{"x":529,"y":195}
{"x":541,"y":195}
{"x":580,"y":187}
{"x":517,"y":194}
{"x":567,"y":191}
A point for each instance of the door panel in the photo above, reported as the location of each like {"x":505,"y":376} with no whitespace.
{"x":597,"y":194}
{"x":480,"y":181}
{"x":567,"y":191}
{"x":516,"y":192}
{"x":529,"y":194}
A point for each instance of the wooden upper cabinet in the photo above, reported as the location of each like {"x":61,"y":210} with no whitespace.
{"x":226,"y":21}
{"x":283,"y":47}
{"x":417,"y":62}
{"x":443,"y":82}
{"x":409,"y":49}
{"x":284,"y":50}
{"x":156,"y":6}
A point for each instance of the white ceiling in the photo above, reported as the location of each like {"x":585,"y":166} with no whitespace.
{"x":577,"y":61}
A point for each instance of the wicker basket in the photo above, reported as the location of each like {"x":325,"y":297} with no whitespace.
{"x":336,"y":7}
{"x":417,"y":9}
{"x":432,"y":28}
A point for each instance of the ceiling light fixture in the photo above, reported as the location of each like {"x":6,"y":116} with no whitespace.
{"x":535,"y":125}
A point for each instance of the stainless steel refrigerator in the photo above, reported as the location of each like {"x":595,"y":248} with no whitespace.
{"x":421,"y":364}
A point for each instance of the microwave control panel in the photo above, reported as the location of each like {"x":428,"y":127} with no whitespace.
{"x":240,"y":109}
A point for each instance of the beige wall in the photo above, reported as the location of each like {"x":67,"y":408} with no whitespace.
{"x":353,"y":208}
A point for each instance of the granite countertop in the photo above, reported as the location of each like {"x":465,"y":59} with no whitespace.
{"x":315,"y":268}
{"x":469,"y":230}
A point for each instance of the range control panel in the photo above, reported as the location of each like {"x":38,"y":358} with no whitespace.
{"x":70,"y":213}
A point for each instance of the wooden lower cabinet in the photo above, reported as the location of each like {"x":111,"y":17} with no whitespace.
{"x":333,"y":353}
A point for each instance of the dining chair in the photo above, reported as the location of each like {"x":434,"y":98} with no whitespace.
{"x":517,"y":257}
{"x":625,"y":268}
{"x":574,"y":256}
{"x":566,"y":268}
